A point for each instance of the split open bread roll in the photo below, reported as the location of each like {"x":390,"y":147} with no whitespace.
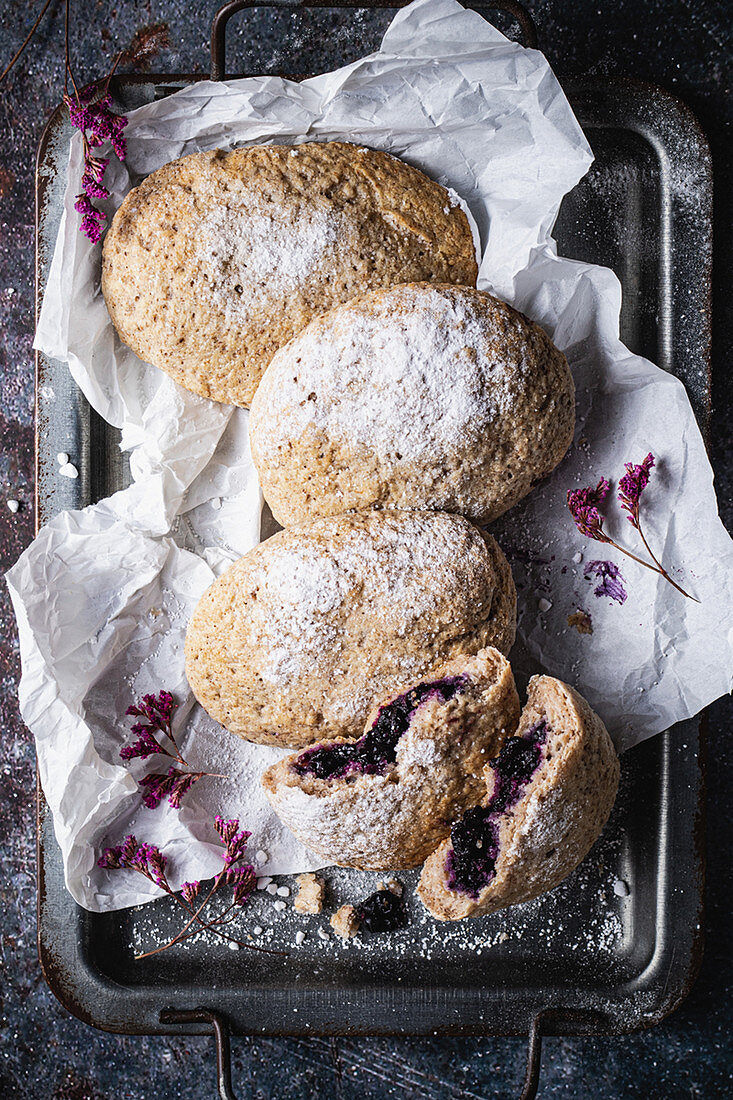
{"x":215,"y":260}
{"x":387,"y":799}
{"x":548,"y":796}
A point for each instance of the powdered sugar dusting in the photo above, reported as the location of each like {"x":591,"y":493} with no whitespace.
{"x":395,"y":566}
{"x":419,"y":372}
{"x":247,"y":253}
{"x":304,"y":588}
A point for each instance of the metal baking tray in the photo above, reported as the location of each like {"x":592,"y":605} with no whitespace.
{"x":579,"y":961}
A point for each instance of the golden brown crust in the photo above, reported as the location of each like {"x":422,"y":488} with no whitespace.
{"x":417,"y":396}
{"x":396,"y":819}
{"x":217,"y":259}
{"x":301,"y":636}
{"x":557,"y":820}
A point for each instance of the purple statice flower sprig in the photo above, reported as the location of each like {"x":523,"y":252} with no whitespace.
{"x":154,"y":733}
{"x":584,"y":505}
{"x":148,"y":861}
{"x":157,"y":711}
{"x":90,"y":112}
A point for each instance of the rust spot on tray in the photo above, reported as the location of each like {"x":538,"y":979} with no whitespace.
{"x":146,"y":43}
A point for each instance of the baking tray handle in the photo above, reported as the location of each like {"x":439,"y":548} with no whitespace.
{"x":224,"y":14}
{"x":221,"y":1040}
{"x":554,"y":1019}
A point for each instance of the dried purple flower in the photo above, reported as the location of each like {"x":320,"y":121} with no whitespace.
{"x":158,"y":710}
{"x":632,"y":485}
{"x":584,"y":504}
{"x":226,"y":828}
{"x":149,"y":861}
{"x":244,"y":881}
{"x":189,"y":891}
{"x":146,"y":859}
{"x":612,"y":583}
{"x":145,"y":746}
{"x":172,"y":786}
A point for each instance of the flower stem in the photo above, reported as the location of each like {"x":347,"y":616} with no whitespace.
{"x":27,"y":39}
{"x":654,"y":568}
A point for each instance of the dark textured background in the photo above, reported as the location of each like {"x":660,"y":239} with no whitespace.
{"x":683,"y":45}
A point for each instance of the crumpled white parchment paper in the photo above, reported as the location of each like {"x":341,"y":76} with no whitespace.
{"x":103,"y":595}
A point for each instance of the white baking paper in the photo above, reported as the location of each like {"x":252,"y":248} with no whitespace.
{"x":102,"y":596}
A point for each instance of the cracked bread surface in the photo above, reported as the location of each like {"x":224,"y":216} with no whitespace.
{"x":217,"y":259}
{"x":299,"y":639}
{"x":397,"y":817}
{"x":555,"y":822}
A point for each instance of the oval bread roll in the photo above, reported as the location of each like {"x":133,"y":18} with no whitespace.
{"x":217,"y":259}
{"x":300,"y":638}
{"x":419,"y":396}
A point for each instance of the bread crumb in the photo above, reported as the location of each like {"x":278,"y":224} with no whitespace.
{"x":345,"y":922}
{"x":392,"y":884}
{"x":311,"y":891}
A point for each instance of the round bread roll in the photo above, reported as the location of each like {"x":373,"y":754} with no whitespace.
{"x":548,"y":796}
{"x":300,"y":638}
{"x":418,"y":396}
{"x":218,"y":258}
{"x":387,"y":800}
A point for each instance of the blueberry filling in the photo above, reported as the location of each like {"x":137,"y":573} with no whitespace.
{"x":475,"y":838}
{"x":382,"y":911}
{"x":377,"y":748}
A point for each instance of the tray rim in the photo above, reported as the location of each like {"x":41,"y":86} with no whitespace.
{"x":590,"y":1026}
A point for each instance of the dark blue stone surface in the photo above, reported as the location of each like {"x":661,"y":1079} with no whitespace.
{"x":682,"y":45}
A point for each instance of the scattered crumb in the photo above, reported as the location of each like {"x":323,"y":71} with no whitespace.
{"x":299,"y":937}
{"x":311,"y":891}
{"x":13,"y":505}
{"x":260,"y":857}
{"x":216,"y":503}
{"x":345,"y":922}
{"x":582,"y":622}
{"x":392,"y":884}
{"x":257,"y":930}
{"x":323,"y":934}
{"x":271,"y":888}
{"x":62,"y":458}
{"x":283,"y":891}
{"x":263,"y":883}
{"x":68,"y":470}
{"x":544,"y":605}
{"x":577,"y":558}
{"x":502,"y":937}
{"x":280,"y":905}
{"x":233,"y":946}
{"x":621,"y":888}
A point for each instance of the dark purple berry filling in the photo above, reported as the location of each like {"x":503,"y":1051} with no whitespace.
{"x":382,"y":911}
{"x":475,"y":838}
{"x":377,"y":748}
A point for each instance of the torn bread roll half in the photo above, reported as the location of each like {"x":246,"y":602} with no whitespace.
{"x":387,"y":799}
{"x":548,"y":795}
